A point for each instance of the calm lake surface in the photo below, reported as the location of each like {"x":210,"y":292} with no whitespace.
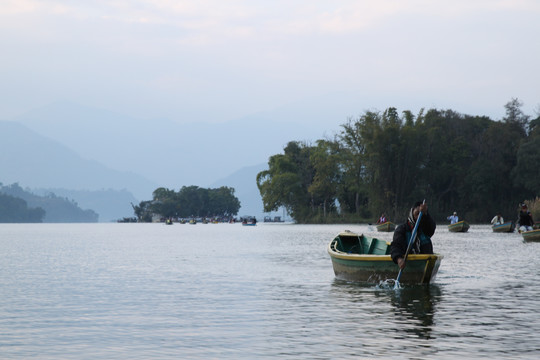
{"x":221,"y":291}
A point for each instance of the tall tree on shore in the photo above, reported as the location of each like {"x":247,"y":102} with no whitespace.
{"x":385,"y":162}
{"x":287,"y":180}
{"x":325,"y":184}
{"x":352,"y":195}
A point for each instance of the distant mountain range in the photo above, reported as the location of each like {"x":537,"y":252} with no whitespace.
{"x":169,"y":153}
{"x":245,"y":184}
{"x":106,"y":161}
{"x":56,"y":209}
{"x":35,"y":161}
{"x":44,"y":166}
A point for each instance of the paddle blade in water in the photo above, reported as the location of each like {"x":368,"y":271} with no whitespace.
{"x":388,"y":284}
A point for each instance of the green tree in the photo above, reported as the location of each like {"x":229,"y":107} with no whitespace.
{"x":287,"y":180}
{"x":143,"y":211}
{"x":194,"y":201}
{"x":494,"y":157}
{"x":223,"y":202}
{"x":393,"y":148}
{"x":386,"y":161}
{"x":324,"y":186}
{"x":447,"y":159}
{"x":352,"y":194}
{"x":515,"y":115}
{"x":165,"y":202}
{"x":527,"y":172}
{"x":190,"y":201}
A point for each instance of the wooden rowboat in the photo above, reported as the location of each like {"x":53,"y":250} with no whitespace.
{"x":533,"y":235}
{"x":359,"y":258}
{"x":508,"y":226}
{"x":461,"y":226}
{"x":386,"y":227}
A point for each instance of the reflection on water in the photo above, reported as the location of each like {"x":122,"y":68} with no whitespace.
{"x":414,"y":305}
{"x":418,"y":305}
{"x":142,"y":291}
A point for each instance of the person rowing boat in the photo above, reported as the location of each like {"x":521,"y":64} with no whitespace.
{"x":422,"y":242}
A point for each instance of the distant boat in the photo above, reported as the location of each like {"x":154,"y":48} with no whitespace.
{"x":168,"y":222}
{"x":276,"y":219}
{"x":461,"y":226}
{"x":386,"y":227}
{"x":249,"y":221}
{"x":533,"y":235}
{"x":359,"y":258}
{"x":508,"y":226}
{"x":193,"y":221}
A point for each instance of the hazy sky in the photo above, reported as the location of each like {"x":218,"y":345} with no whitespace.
{"x":216,"y":60}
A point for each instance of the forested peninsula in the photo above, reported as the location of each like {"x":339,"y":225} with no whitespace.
{"x":386,"y":161}
{"x":21,"y":206}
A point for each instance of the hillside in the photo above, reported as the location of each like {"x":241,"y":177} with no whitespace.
{"x":110,"y":204}
{"x":172,"y":153}
{"x":245,"y":184}
{"x":57,"y":209}
{"x":39,"y":162}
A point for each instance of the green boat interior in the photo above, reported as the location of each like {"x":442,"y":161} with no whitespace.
{"x":360,"y":244}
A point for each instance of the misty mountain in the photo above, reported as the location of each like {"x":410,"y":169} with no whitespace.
{"x":47,"y":167}
{"x":245,"y":185}
{"x":35,"y":161}
{"x":110,"y":204}
{"x":170,"y":153}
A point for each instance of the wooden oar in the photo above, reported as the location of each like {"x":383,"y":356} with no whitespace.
{"x":411,"y":241}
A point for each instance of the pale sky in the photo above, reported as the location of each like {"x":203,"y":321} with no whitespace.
{"x":217,"y":60}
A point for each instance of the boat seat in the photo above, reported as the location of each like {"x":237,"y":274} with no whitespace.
{"x":349,"y":244}
{"x":365,"y":245}
{"x":379,"y":247}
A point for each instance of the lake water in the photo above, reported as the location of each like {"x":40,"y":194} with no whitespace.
{"x":221,"y":291}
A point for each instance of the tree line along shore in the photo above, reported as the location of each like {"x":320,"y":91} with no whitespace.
{"x":383,"y":162}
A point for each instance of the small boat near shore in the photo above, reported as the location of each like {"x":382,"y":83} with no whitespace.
{"x":533,"y":235}
{"x":386,"y":226}
{"x":508,"y":226}
{"x":249,"y":221}
{"x":461,"y":226}
{"x":359,"y":258}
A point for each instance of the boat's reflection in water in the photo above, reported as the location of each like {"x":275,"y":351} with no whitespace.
{"x":416,"y":304}
{"x":413,"y":306}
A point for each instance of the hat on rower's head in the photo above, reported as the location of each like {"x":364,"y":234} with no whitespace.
{"x":455,"y":213}
{"x":523,"y":205}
